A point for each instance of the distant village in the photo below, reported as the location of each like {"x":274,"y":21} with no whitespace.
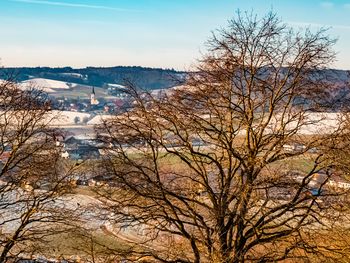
{"x":80,"y":144}
{"x":115,"y":103}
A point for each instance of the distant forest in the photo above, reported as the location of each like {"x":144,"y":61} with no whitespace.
{"x":146,"y":78}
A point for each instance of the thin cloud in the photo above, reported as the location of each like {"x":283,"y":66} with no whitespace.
{"x":305,"y":24}
{"x":347,"y":6}
{"x":327,"y":4}
{"x":42,"y":2}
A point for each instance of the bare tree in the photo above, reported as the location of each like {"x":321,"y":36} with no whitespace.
{"x":85,"y":120}
{"x":232,"y":166}
{"x":33,"y":177}
{"x":76,"y":119}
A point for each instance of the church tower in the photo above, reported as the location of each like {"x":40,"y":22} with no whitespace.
{"x":93,"y":100}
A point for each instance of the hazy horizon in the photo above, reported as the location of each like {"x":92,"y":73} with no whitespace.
{"x":147,"y":33}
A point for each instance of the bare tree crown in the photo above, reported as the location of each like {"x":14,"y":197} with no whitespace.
{"x":207,"y":167}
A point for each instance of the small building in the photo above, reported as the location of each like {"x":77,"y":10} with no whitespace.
{"x":80,"y":149}
{"x":294,"y":147}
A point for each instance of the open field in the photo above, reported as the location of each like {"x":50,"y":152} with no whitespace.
{"x":81,"y":244}
{"x":81,"y":91}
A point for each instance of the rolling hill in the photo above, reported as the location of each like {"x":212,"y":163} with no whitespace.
{"x":145,"y":78}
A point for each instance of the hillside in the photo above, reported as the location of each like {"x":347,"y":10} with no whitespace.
{"x":146,"y":78}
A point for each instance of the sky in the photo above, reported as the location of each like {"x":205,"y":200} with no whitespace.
{"x":152,"y":33}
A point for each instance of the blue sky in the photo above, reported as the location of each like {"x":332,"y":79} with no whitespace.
{"x":155,"y":33}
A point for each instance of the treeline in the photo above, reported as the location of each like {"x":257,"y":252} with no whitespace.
{"x":146,"y":78}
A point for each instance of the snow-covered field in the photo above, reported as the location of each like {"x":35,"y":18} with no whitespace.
{"x":113,"y":85}
{"x":99,"y":119}
{"x":54,"y":118}
{"x":322,"y":123}
{"x":312,"y":123}
{"x":66,"y":118}
{"x":47,"y":85}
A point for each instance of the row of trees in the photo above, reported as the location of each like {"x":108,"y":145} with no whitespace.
{"x":203,"y":172}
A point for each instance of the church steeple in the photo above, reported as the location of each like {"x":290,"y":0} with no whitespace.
{"x":93,"y":100}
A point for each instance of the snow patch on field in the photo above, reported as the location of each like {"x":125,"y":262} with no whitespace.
{"x":47,"y":85}
{"x":113,"y":85}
